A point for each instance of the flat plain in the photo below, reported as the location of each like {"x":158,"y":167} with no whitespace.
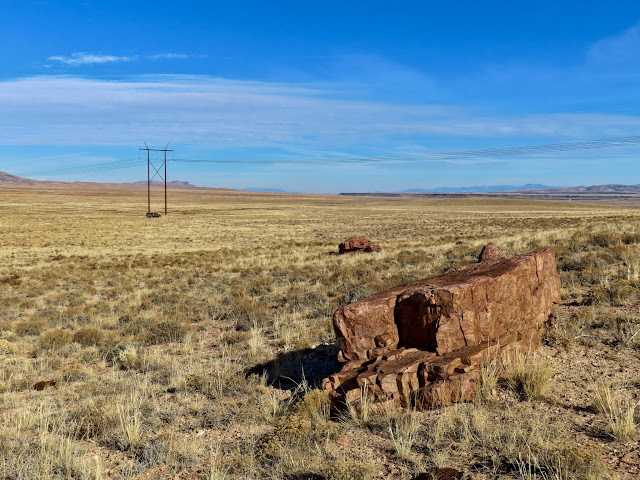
{"x":192,"y":345}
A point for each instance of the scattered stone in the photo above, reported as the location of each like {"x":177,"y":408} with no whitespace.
{"x":422,"y":344}
{"x":39,"y":386}
{"x":489,"y":252}
{"x":353,"y":244}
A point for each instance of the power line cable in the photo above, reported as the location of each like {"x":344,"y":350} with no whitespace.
{"x":89,"y":168}
{"x":453,"y":155}
{"x":381,"y":159}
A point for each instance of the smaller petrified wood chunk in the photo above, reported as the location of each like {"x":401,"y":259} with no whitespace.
{"x":353,"y":244}
{"x":489,"y":252}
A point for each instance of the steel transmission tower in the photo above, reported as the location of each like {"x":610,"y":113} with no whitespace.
{"x":163,"y":177}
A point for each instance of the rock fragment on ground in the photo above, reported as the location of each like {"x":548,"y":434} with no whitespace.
{"x":358,"y":244}
{"x":489,"y":252}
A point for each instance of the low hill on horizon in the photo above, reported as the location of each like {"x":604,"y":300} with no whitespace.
{"x":601,"y":189}
{"x":7,"y":178}
{"x":613,"y":188}
{"x":481,"y":188}
{"x":14,"y":180}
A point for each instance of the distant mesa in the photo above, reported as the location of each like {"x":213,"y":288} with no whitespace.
{"x":508,"y":189}
{"x":531,"y":188}
{"x":173,"y":183}
{"x":482,"y":188}
{"x":611,"y":188}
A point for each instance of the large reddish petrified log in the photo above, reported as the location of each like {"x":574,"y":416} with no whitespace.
{"x":423,"y":343}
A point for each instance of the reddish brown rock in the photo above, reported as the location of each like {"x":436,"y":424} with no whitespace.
{"x":353,"y":244}
{"x":373,"y":249}
{"x":423,"y":343}
{"x":44,"y":384}
{"x":489,"y":252}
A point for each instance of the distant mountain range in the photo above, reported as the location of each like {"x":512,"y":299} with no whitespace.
{"x":601,"y":189}
{"x":8,"y":179}
{"x":531,"y":188}
{"x":482,"y":188}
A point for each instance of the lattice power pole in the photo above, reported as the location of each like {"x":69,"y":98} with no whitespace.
{"x":157,"y":170}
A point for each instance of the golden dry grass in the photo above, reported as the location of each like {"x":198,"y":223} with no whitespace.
{"x":149,"y":328}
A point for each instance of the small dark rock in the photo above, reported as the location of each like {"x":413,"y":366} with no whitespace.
{"x":39,"y":386}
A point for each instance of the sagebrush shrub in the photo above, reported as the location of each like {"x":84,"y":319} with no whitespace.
{"x":54,"y":339}
{"x":89,"y":336}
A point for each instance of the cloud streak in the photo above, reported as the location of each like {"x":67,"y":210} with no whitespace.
{"x":72,"y":110}
{"x":621,"y":48}
{"x":174,"y":56}
{"x":81,"y":58}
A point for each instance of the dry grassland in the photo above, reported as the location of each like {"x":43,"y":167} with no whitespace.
{"x":174,"y":347}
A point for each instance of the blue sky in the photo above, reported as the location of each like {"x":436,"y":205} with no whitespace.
{"x":300,"y":86}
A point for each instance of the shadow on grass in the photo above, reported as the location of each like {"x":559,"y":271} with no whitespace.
{"x":289,"y":369}
{"x":305,"y":476}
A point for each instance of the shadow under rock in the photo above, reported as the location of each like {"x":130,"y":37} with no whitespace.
{"x":288,"y":370}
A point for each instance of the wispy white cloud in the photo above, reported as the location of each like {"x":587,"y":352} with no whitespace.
{"x":81,"y":58}
{"x":621,"y":48}
{"x":178,"y":56}
{"x":72,"y":110}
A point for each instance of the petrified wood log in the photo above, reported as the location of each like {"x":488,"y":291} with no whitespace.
{"x":423,"y":343}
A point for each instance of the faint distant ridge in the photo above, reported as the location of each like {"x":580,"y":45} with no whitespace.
{"x":173,"y":183}
{"x":508,"y":191}
{"x":483,"y":188}
{"x":602,"y":189}
{"x":532,"y":188}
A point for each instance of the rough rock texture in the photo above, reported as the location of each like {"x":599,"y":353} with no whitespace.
{"x":353,"y":244}
{"x":489,"y":252}
{"x":373,"y":249}
{"x":423,"y":343}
